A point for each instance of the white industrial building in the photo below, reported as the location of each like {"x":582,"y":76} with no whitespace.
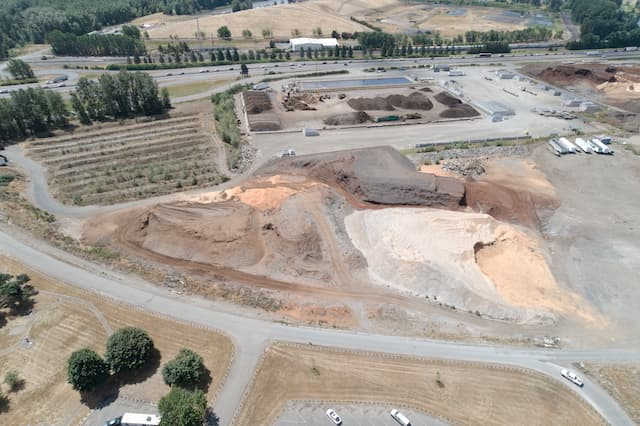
{"x":505,"y":75}
{"x":496,"y":110}
{"x":312,"y":43}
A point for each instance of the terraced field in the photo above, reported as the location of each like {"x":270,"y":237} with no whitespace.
{"x":121,"y":163}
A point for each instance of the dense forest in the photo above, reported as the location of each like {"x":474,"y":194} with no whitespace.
{"x":29,"y":21}
{"x":603,"y":23}
{"x":29,"y":112}
{"x":95,"y":44}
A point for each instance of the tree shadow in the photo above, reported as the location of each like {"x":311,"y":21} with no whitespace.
{"x":17,"y":386}
{"x":205,"y":380}
{"x":210,"y":418}
{"x":3,"y":319}
{"x":131,"y":377}
{"x":4,"y":403}
{"x":24,"y":308}
{"x":102,"y":396}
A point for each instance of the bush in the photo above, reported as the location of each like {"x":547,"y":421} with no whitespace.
{"x":86,"y":370}
{"x":12,"y":380}
{"x":185,"y":370}
{"x":181,"y":407}
{"x":128,"y":349}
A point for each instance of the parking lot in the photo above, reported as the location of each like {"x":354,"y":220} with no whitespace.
{"x":313,"y":414}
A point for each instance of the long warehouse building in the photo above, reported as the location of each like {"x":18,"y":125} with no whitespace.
{"x":312,"y":43}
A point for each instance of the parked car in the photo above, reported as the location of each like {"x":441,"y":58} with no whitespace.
{"x":571,"y":376}
{"x":400,"y":418}
{"x":114,"y":422}
{"x":335,"y":418}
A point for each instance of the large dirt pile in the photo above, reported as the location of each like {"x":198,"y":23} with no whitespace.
{"x":375,"y":175}
{"x":457,"y":109}
{"x":415,"y":100}
{"x":347,"y":119}
{"x":570,"y":74}
{"x":269,"y":232}
{"x":439,"y":261}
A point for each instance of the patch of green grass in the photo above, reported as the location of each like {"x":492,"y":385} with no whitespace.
{"x":103,"y":253}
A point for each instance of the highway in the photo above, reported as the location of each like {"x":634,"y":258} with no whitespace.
{"x":251,"y":336}
{"x":53,"y":66}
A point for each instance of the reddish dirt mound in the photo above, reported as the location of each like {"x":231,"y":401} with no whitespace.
{"x":256,"y":101}
{"x":376,"y":175}
{"x":348,"y":119}
{"x":415,"y":100}
{"x":502,"y":203}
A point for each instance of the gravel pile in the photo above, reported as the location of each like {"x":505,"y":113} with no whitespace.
{"x":464,"y":167}
{"x":475,"y":152}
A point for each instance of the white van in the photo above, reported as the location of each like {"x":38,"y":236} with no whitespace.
{"x":400,"y":418}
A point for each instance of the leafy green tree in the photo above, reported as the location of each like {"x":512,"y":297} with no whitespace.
{"x":86,"y":370}
{"x":181,"y":407}
{"x":224,"y":32}
{"x":19,"y":69}
{"x":128,"y":349}
{"x":185,"y":370}
{"x":244,"y":70}
{"x":14,"y":293}
{"x":166,"y":99}
{"x":131,"y":31}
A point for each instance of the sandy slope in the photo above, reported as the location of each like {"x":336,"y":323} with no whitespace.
{"x":432,"y":253}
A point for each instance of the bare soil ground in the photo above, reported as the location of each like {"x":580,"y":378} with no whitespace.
{"x":622,"y":381}
{"x":339,"y":108}
{"x":260,"y":111}
{"x":292,"y":229}
{"x":114,"y":163}
{"x":618,"y":85}
{"x":65,"y":319}
{"x":469,"y":393}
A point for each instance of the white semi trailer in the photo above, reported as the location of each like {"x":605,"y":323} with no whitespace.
{"x":568,"y":146}
{"x":584,"y":146}
{"x":602,"y":148}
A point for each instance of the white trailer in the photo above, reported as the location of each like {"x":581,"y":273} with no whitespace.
{"x":584,"y":146}
{"x":567,"y":145}
{"x":137,"y":419}
{"x":602,"y":148}
{"x":556,"y":148}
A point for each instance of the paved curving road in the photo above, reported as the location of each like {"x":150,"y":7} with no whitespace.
{"x":251,"y":336}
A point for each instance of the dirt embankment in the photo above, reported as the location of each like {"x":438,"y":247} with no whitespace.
{"x":618,"y":85}
{"x":414,"y":101}
{"x":457,"y":109}
{"x":376,"y":175}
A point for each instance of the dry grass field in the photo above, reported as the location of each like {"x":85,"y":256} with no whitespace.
{"x":329,"y":15}
{"x":470,"y":393}
{"x":622,"y":381}
{"x":106,"y":164}
{"x":65,"y":319}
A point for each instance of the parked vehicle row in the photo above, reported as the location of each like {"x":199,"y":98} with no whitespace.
{"x":395,"y":414}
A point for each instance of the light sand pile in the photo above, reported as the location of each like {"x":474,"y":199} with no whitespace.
{"x":432,"y":253}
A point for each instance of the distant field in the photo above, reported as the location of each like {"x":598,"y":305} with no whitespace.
{"x":65,"y":319}
{"x":329,"y":15}
{"x":470,"y":393}
{"x":622,"y":381}
{"x":110,"y":164}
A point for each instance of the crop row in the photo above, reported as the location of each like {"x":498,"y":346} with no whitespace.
{"x":102,"y":143}
{"x":113,"y":131}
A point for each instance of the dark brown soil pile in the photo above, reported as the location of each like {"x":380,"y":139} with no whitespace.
{"x":447,"y":99}
{"x":348,"y":119}
{"x":571,"y":73}
{"x":256,"y":101}
{"x":460,"y":111}
{"x":502,"y":203}
{"x":370,"y":104}
{"x":375,"y":175}
{"x":415,"y":100}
